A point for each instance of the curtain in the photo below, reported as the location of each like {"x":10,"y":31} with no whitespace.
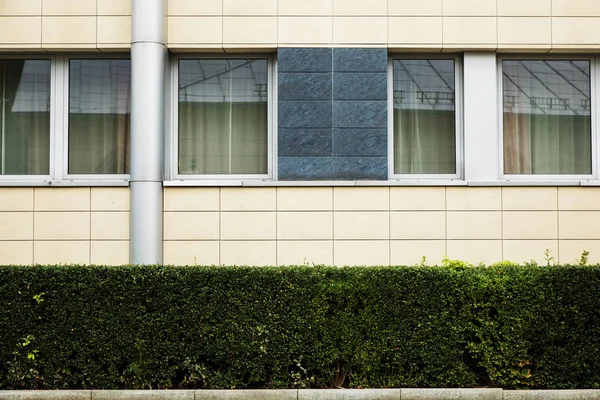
{"x":25,"y":117}
{"x":99,"y":116}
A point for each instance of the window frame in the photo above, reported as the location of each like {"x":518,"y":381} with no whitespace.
{"x":594,"y":150}
{"x":54,"y":121}
{"x":458,"y":112}
{"x":172,"y":157}
{"x":63,"y":149}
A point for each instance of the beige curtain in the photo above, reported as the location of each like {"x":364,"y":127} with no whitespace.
{"x":25,"y":117}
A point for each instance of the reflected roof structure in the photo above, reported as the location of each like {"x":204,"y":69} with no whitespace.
{"x":217,"y":81}
{"x":424,"y":84}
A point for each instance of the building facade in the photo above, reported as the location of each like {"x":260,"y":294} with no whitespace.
{"x":277,"y":132}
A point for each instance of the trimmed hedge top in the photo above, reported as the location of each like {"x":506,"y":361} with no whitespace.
{"x":70,"y":327}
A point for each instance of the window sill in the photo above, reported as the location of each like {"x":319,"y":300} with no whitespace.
{"x":63,"y":183}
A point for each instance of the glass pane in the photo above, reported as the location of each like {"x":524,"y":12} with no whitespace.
{"x":223,"y":123}
{"x":424,"y":117}
{"x":25,"y":117}
{"x":99,"y":108}
{"x":547,"y":117}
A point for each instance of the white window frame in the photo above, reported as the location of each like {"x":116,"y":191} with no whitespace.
{"x":54,"y":122}
{"x":458,"y":110}
{"x":64,"y":146}
{"x":173,"y":152}
{"x":593,"y":122}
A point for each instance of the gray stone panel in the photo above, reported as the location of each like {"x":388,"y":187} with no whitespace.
{"x":304,"y":114}
{"x":45,"y":394}
{"x":552,"y":395}
{"x":352,"y":394}
{"x":451,"y":394}
{"x":304,"y":86}
{"x":142,"y":395}
{"x":304,"y":142}
{"x":360,"y":114}
{"x":304,"y":59}
{"x":305,"y":168}
{"x":360,"y":60}
{"x":360,"y":142}
{"x":360,"y":168}
{"x":246,"y":394}
{"x":359,"y":86}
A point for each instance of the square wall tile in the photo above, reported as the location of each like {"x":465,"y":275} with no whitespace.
{"x":474,"y":225}
{"x":525,"y":31}
{"x":359,"y":7}
{"x":248,"y":226}
{"x":191,"y":199}
{"x":195,"y":31}
{"x":21,"y":7}
{"x":415,"y":31}
{"x":475,"y":251}
{"x":579,"y":198}
{"x":529,"y":8}
{"x":61,"y":226}
{"x":20,"y":30}
{"x":360,"y":30}
{"x":250,"y":7}
{"x":571,"y":251}
{"x":62,"y":199}
{"x":418,"y":225}
{"x":16,"y":253}
{"x":361,"y":252}
{"x":191,"y":225}
{"x":249,"y":253}
{"x":305,"y":199}
{"x":529,"y":198}
{"x":470,"y":32}
{"x":68,"y":31}
{"x":191,"y":253}
{"x":305,"y":7}
{"x":530,"y":224}
{"x":305,"y":225}
{"x":248,"y":199}
{"x":16,"y":225}
{"x":61,"y":252}
{"x":194,"y":7}
{"x":361,"y":198}
{"x":114,"y":30}
{"x":69,"y":7}
{"x":521,"y":251}
{"x":309,"y":31}
{"x":361,"y":225}
{"x":110,"y":199}
{"x":415,"y":8}
{"x":472,"y":199}
{"x":250,"y":30}
{"x":16,"y":199}
{"x":575,"y":8}
{"x":470,"y":8}
{"x":115,"y":7}
{"x":417,"y":198}
{"x":110,"y":225}
{"x":110,"y":252}
{"x":305,"y":252}
{"x":411,"y":252}
{"x":578,"y":31}
{"x":579,"y":225}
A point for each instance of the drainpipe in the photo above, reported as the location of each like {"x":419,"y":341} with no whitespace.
{"x":149,"y":58}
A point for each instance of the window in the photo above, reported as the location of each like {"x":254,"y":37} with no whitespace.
{"x":25,"y":117}
{"x":546,"y":116}
{"x":99,"y":110}
{"x":425,"y":120}
{"x":223,"y":117}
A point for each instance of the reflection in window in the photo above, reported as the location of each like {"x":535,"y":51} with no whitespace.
{"x":223,"y":116}
{"x":25,"y":117}
{"x":547,"y":117}
{"x":99,"y":109}
{"x":424,"y":117}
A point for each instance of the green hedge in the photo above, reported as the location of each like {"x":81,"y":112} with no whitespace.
{"x":240,"y":327}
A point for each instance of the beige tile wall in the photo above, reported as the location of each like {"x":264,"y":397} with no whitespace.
{"x":233,"y":25}
{"x":64,"y":226}
{"x":380,"y":225}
